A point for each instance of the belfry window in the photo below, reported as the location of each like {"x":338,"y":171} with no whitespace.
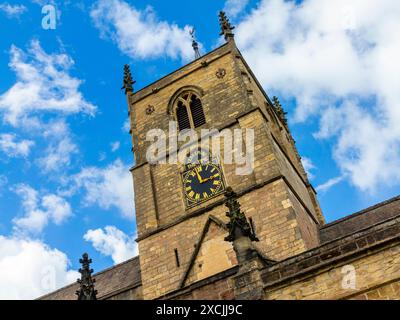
{"x":189,"y":111}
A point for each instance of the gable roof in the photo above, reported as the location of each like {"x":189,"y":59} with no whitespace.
{"x":127,"y":275}
{"x":360,"y":220}
{"x":119,"y":278}
{"x":181,"y":72}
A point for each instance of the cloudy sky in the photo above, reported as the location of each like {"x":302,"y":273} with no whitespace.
{"x":65,"y":152}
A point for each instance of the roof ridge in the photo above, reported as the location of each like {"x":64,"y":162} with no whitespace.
{"x":357,"y":213}
{"x":331,"y":243}
{"x":94,"y":275}
{"x":179,"y":69}
{"x":116,"y":265}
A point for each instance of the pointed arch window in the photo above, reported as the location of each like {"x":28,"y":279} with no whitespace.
{"x":189,"y":111}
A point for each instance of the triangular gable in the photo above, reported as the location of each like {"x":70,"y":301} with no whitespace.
{"x":225,"y":246}
{"x":211,"y":248}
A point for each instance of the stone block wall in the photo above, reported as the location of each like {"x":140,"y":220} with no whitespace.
{"x":274,"y":195}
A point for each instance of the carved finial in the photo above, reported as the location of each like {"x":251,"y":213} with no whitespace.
{"x":128,"y":82}
{"x":86,"y":282}
{"x":226,"y":27}
{"x":238,"y":225}
{"x":195,"y":45}
{"x":279,"y":110}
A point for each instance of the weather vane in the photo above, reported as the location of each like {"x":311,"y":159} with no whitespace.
{"x":195,"y":45}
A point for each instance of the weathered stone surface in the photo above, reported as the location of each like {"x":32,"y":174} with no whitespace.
{"x":275,"y":195}
{"x":318,"y":273}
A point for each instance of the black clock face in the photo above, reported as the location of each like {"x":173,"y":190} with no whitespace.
{"x":202,"y":182}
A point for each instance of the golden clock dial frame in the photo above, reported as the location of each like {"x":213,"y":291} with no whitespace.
{"x":202,"y":182}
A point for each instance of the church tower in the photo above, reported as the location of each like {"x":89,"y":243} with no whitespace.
{"x":180,"y":213}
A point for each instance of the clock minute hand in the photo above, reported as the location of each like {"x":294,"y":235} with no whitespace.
{"x":198,"y":176}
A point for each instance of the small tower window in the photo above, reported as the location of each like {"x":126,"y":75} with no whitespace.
{"x":182,"y":116}
{"x":197,"y":111}
{"x":189,"y":111}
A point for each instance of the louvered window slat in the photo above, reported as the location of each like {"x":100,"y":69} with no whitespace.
{"x":183,"y":117}
{"x":189,"y":112}
{"x":197,"y":112}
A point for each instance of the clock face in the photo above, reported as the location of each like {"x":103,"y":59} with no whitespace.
{"x":202,"y":182}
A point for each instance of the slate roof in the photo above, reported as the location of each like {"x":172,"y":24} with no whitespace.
{"x":118,"y":278}
{"x":360,"y":220}
{"x":126,"y":275}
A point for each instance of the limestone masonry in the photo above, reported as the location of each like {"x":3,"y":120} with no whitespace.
{"x":183,"y":253}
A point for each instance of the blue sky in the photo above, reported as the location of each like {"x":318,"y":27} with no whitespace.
{"x":65,"y":146}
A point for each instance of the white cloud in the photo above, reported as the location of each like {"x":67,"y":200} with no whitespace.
{"x":337,"y":60}
{"x":140,"y":34}
{"x":59,"y":209}
{"x":43,"y":85}
{"x":308,"y":166}
{"x":13,"y":148}
{"x":30,"y":268}
{"x":234,"y":7}
{"x":112,"y":242}
{"x":39,"y":210}
{"x":366,"y":149}
{"x":107,"y":187}
{"x":329,"y":184}
{"x":58,"y":155}
{"x":12,"y":11}
{"x":56,"y":128}
{"x":38,"y":103}
{"x":60,"y":146}
{"x":115,"y":146}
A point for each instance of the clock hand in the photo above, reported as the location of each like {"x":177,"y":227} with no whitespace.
{"x":214,"y":176}
{"x":198,"y":176}
{"x":210,"y":178}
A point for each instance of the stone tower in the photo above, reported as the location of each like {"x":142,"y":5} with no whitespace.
{"x":181,"y":238}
